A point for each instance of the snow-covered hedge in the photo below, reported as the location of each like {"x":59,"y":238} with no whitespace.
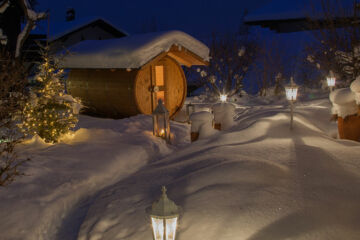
{"x":224,"y":114}
{"x":201,"y":122}
{"x":343,"y":101}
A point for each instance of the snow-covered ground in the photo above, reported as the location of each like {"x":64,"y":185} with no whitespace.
{"x":258,"y":180}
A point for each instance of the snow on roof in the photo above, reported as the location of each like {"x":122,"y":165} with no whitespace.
{"x":59,"y":29}
{"x":294,"y":9}
{"x":130,"y":52}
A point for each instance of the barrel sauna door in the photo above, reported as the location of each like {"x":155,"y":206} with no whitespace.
{"x":163,"y":80}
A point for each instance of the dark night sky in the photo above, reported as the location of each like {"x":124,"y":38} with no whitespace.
{"x":196,"y":17}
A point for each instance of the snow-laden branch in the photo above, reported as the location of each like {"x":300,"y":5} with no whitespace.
{"x":31,"y":17}
{"x":4,"y":5}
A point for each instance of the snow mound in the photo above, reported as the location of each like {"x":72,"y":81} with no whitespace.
{"x":130,"y":52}
{"x":202,"y":122}
{"x":224,"y":114}
{"x":343,"y":101}
{"x":355,"y":88}
{"x":273,"y":182}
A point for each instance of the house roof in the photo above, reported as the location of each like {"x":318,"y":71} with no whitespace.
{"x":294,"y":16}
{"x":137,"y":50}
{"x":59,"y":30}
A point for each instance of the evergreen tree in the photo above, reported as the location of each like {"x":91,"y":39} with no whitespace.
{"x":50,"y":113}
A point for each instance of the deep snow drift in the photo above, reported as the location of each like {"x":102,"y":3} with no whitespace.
{"x":258,"y":180}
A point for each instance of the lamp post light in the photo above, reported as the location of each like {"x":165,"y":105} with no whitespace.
{"x":223,"y":97}
{"x":291,"y":94}
{"x":164,"y":215}
{"x":331,"y":80}
{"x":161,"y":123}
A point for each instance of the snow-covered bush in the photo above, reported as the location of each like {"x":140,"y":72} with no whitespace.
{"x":231,"y":56}
{"x":343,"y":101}
{"x":50,"y":113}
{"x":355,"y":88}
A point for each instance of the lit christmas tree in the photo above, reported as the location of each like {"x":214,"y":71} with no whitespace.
{"x":50,"y":113}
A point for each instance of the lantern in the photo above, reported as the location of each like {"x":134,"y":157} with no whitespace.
{"x":161,"y":125}
{"x":190,"y":108}
{"x":223,"y":98}
{"x":291,"y":90}
{"x":164,"y":215}
{"x":291,"y":94}
{"x":331,"y":80}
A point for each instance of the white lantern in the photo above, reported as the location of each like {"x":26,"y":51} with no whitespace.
{"x":223,"y":98}
{"x":164,"y":215}
{"x":331,"y":80}
{"x":161,"y":125}
{"x":291,"y":94}
{"x":291,"y":90}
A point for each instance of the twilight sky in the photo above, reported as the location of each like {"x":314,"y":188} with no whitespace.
{"x":197,"y":17}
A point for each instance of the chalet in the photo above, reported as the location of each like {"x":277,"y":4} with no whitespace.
{"x":127,"y":76}
{"x":65,"y":34}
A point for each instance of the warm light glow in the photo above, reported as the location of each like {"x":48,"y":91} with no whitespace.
{"x":223,"y":98}
{"x":170,"y":228}
{"x":291,"y":93}
{"x":158,"y":228}
{"x":162,"y":133}
{"x":331,"y":81}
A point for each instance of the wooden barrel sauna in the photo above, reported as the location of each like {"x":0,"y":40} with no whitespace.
{"x":121,"y":93}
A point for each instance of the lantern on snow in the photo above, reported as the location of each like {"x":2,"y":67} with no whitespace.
{"x":291,"y":94}
{"x":164,"y":215}
{"x":161,"y":124}
{"x":331,"y":80}
{"x":291,"y":90}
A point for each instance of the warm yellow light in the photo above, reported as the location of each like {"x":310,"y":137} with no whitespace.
{"x":223,"y":98}
{"x":162,"y":133}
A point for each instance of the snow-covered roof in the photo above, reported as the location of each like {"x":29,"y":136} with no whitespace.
{"x":59,"y":29}
{"x":294,"y":9}
{"x":132,"y":51}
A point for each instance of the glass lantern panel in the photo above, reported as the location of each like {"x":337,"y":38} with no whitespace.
{"x":331,"y":81}
{"x":158,"y":228}
{"x":161,"y":126}
{"x":171,"y":228}
{"x":291,"y":93}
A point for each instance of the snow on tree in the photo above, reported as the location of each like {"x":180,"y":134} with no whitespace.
{"x":50,"y":113}
{"x":31,"y":18}
{"x":230,"y":58}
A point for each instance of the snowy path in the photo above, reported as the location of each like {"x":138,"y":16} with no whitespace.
{"x":256,"y":181}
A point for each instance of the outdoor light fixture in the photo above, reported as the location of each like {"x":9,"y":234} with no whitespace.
{"x":331,"y":80}
{"x":161,"y":125}
{"x":223,"y":98}
{"x":164,"y":215}
{"x":190,"y":108}
{"x":291,"y":94}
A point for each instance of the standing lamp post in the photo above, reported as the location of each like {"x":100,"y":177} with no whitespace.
{"x":331,"y":80}
{"x":164,"y":215}
{"x":161,"y":122}
{"x":291,"y":94}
